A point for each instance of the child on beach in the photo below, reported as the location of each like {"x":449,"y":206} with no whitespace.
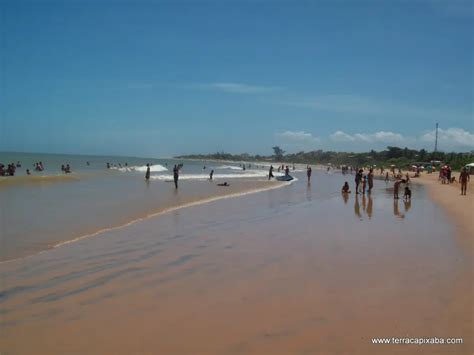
{"x":407,"y":195}
{"x":345,"y":188}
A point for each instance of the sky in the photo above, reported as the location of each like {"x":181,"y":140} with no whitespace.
{"x":162,"y":78}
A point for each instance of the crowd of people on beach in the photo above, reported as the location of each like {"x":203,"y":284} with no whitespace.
{"x":364,"y":182}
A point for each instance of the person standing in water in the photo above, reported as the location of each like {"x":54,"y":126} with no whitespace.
{"x":396,"y":187}
{"x":370,"y":180}
{"x":357,"y":180}
{"x":364,"y":184}
{"x":176,"y":175}
{"x":211,"y":174}
{"x":270,"y":172}
{"x":308,"y":173}
{"x":147,"y":174}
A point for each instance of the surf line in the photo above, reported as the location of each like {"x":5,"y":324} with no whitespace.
{"x":152,"y":215}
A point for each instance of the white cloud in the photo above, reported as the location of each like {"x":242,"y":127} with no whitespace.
{"x":450,"y":138}
{"x":237,"y":88}
{"x":297,"y":136}
{"x":340,"y":136}
{"x":382,"y":136}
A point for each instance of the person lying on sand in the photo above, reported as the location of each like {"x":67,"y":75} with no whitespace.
{"x":224,"y":184}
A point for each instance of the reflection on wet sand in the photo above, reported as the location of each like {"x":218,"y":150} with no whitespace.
{"x":345,"y":197}
{"x":396,"y":210}
{"x":407,"y":205}
{"x":367,"y":206}
{"x":357,"y":207}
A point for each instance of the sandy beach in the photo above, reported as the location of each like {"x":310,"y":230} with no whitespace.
{"x":294,"y":270}
{"x":460,"y":208}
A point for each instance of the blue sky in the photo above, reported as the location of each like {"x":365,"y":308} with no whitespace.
{"x":160,"y":78}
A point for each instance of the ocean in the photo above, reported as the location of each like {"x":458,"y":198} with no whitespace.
{"x":48,"y":208}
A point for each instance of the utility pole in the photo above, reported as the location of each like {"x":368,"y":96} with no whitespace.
{"x":436,"y":139}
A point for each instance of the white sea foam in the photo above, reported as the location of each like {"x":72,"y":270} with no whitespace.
{"x":223,"y":167}
{"x":245,"y":174}
{"x":157,"y":168}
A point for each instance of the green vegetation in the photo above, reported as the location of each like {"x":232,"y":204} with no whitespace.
{"x":400,"y":157}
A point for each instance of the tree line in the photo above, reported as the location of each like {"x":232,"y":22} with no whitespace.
{"x":400,"y":157}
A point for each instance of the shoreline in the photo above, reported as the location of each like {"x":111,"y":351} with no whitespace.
{"x":238,"y":193}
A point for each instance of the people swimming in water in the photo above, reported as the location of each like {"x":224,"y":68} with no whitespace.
{"x":345,"y":188}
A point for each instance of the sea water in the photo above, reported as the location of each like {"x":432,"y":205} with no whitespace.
{"x":47,"y":208}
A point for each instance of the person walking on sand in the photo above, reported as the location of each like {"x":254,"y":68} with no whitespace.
{"x":308,"y":173}
{"x":147,"y":174}
{"x":176,"y":175}
{"x":270,"y":172}
{"x":464,"y":178}
{"x":370,"y":180}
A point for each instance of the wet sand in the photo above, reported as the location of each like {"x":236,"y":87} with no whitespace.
{"x":296,"y":270}
{"x":42,"y":213}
